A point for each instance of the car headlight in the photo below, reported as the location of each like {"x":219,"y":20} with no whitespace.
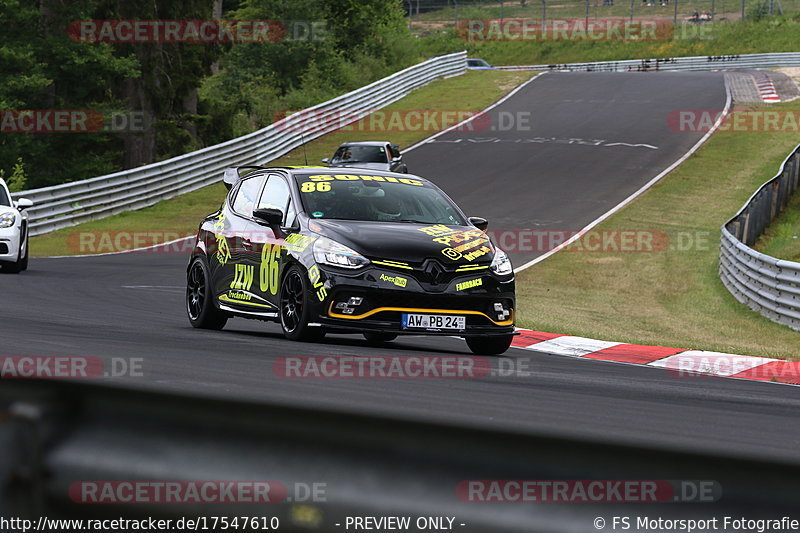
{"x":501,"y":264}
{"x":7,"y":219}
{"x":330,"y":252}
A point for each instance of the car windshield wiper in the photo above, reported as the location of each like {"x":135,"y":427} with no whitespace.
{"x":411,"y":221}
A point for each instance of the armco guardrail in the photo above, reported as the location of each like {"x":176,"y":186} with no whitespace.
{"x":71,"y":203}
{"x":767,"y":285}
{"x":771,"y":60}
{"x":59,"y":438}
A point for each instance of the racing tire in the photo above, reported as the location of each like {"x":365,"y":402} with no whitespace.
{"x":24,"y":262}
{"x":294,"y":308}
{"x":379,"y":338}
{"x":489,"y":345}
{"x":200,"y":308}
{"x":22,"y":259}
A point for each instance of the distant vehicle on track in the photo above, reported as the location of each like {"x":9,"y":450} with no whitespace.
{"x":13,"y":231}
{"x":340,"y":250}
{"x":479,"y":64}
{"x":374,"y":155}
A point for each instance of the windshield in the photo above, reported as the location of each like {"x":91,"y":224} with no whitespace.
{"x":359,"y":154}
{"x":4,"y":200}
{"x":376,"y":198}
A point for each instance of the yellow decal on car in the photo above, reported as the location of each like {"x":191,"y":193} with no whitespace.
{"x":467,"y":268}
{"x":397,"y":280}
{"x":297,"y":242}
{"x":468,"y":244}
{"x":393,"y":264}
{"x":361,"y":177}
{"x":464,"y":285}
{"x":313,"y":276}
{"x":450,"y":253}
{"x":471,"y":256}
{"x":243,"y":277}
{"x":269,"y":270}
{"x":437,"y":230}
{"x":236,"y":295}
{"x":310,"y":186}
{"x":223,"y":251}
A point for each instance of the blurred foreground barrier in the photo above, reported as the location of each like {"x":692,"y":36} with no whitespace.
{"x":79,"y":450}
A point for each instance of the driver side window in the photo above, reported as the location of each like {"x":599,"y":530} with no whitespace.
{"x":276,"y":195}
{"x":246,"y":196}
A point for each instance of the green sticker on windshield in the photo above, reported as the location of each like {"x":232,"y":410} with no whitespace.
{"x":317,"y":214}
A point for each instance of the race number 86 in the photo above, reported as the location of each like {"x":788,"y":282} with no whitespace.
{"x":311,"y":186}
{"x":268,"y":273}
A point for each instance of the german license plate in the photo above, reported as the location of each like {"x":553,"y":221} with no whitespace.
{"x":411,"y":320}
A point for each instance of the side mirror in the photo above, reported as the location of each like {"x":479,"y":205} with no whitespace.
{"x":480,"y":223}
{"x":269,"y":217}
{"x":230,"y":177}
{"x":326,"y":160}
{"x":23,"y":203}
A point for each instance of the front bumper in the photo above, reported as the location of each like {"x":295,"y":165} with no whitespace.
{"x":9,"y":244}
{"x":386,"y":294}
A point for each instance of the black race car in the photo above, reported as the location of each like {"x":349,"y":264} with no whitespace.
{"x":349,"y":251}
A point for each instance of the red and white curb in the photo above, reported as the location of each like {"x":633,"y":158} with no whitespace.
{"x":766,"y":88}
{"x":679,"y":362}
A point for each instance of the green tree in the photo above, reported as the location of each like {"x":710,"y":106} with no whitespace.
{"x":43,"y":69}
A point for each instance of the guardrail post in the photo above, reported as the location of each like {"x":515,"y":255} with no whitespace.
{"x":21,"y":476}
{"x":775,"y":197}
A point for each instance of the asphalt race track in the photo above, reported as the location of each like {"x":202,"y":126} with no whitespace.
{"x":131,"y":306}
{"x":567,"y":148}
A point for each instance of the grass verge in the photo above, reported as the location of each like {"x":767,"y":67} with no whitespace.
{"x":776,"y":34}
{"x":672,"y":297}
{"x":782,"y":238}
{"x":474,"y":91}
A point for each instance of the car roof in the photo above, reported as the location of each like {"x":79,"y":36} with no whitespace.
{"x":351,"y":170}
{"x":365,"y":143}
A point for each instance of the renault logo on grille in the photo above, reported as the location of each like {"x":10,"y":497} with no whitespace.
{"x":434,"y":270}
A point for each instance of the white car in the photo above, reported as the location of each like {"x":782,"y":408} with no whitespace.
{"x":13,"y":231}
